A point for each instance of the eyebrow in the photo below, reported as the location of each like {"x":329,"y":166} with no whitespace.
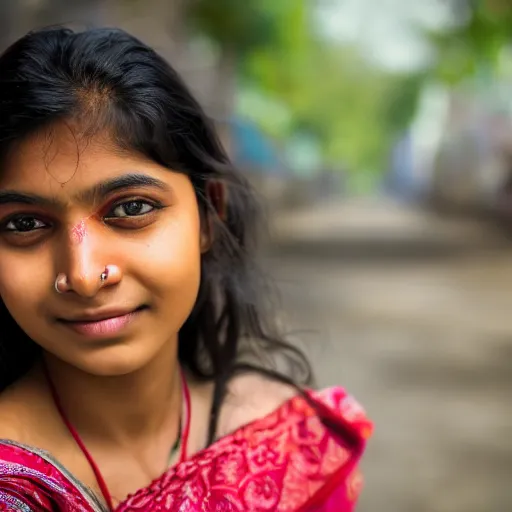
{"x":95,"y":193}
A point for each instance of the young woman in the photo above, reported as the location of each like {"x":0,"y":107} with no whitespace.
{"x":129,"y":309}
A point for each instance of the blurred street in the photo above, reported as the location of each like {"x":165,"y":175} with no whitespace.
{"x":413,"y":315}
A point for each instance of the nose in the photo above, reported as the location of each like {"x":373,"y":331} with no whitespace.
{"x":85,"y":270}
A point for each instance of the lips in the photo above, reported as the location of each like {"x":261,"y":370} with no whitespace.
{"x":104,"y":323}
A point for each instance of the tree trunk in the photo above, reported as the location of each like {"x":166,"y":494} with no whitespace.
{"x":223,"y":96}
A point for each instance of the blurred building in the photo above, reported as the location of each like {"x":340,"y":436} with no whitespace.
{"x":472,"y":163}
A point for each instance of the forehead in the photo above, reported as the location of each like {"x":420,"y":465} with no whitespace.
{"x":59,"y":160}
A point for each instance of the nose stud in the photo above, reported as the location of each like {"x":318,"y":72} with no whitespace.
{"x":61,"y":281}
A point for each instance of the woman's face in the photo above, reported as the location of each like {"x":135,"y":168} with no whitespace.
{"x":75,"y":208}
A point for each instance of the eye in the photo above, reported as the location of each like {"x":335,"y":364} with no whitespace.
{"x":24,"y":224}
{"x":131,"y":209}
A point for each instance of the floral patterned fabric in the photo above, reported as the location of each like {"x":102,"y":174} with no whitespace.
{"x":289,"y":461}
{"x":29,"y":482}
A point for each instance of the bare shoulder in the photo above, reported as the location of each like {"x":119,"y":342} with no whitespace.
{"x":14,"y":413}
{"x":251,"y":397}
{"x":26,"y":413}
{"x":11,"y":421}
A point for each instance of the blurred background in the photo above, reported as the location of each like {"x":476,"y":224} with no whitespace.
{"x":379,"y":134}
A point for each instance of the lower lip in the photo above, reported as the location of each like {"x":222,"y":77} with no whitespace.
{"x":106,"y":327}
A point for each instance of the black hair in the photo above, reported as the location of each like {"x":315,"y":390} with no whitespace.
{"x":108,"y":80}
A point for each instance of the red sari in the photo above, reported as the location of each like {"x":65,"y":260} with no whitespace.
{"x":288,"y":461}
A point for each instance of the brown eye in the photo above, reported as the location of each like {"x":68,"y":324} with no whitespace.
{"x":131,"y":209}
{"x":24,"y":224}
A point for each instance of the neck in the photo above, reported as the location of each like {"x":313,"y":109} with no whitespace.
{"x":121,"y":408}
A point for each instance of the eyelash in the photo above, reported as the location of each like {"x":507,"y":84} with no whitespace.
{"x":154,"y":205}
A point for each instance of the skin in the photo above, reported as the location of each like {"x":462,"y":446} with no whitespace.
{"x":79,"y":232}
{"x":121,"y":392}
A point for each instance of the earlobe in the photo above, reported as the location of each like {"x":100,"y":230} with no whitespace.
{"x":216,"y":193}
{"x":216,"y":196}
{"x":206,"y":237}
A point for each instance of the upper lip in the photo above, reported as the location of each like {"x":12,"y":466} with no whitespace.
{"x":98,"y":315}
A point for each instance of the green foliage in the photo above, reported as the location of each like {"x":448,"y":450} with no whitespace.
{"x":402,"y":100}
{"x":241,"y":25}
{"x":476,"y":42}
{"x":354,"y":110}
{"x":351,"y":109}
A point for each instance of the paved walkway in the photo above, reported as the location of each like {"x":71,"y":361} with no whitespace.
{"x":378,"y":228}
{"x":424,"y":343}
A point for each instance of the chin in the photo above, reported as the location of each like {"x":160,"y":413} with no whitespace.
{"x":114,"y":361}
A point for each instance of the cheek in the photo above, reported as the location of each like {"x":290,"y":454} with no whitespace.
{"x":24,"y":285}
{"x":171,"y":259}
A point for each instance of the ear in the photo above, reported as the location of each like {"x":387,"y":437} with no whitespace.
{"x":216,"y":196}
